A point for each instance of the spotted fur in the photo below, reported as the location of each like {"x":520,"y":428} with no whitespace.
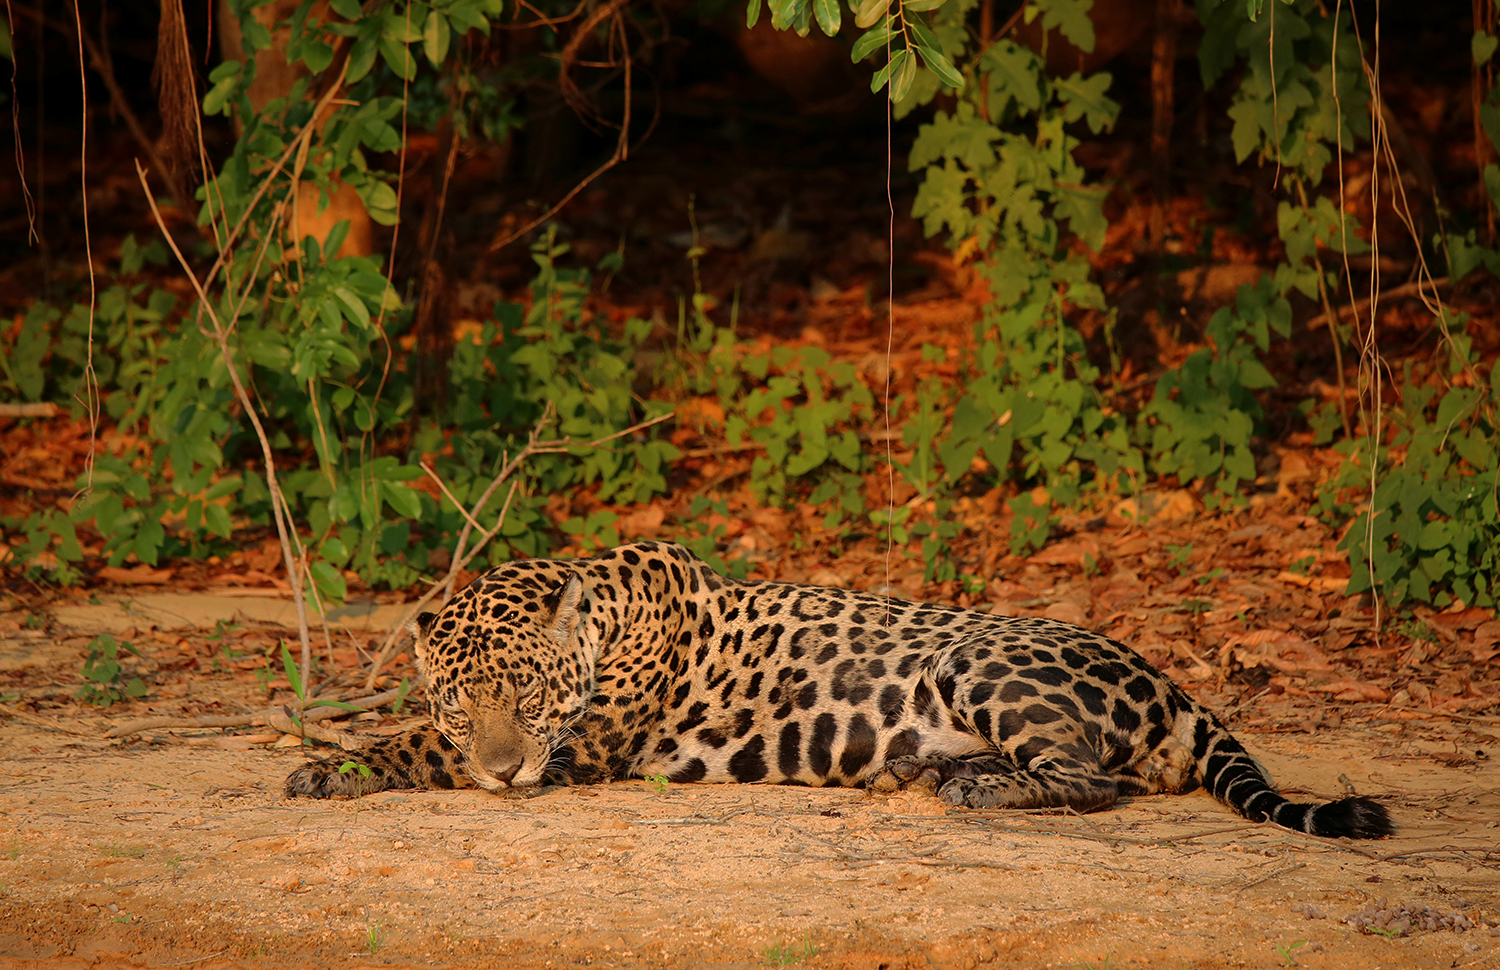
{"x":646,"y":662}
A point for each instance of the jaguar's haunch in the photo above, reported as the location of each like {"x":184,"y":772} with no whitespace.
{"x":646,"y":662}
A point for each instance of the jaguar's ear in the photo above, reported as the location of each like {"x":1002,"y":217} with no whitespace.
{"x":420,"y":628}
{"x":566,"y":612}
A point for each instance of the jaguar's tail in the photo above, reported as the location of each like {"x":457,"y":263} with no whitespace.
{"x":1236,"y":779}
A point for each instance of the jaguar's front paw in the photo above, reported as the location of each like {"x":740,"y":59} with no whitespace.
{"x":328,"y":777}
{"x":906,"y":774}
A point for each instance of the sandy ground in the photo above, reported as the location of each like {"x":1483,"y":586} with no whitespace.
{"x":178,"y":850}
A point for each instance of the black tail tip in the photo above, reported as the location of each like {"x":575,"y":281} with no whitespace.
{"x":1352,"y":818}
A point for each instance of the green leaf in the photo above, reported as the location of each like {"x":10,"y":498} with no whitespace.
{"x":362,"y":57}
{"x":148,"y":541}
{"x":884,"y":74}
{"x":1436,"y":535}
{"x":329,"y":581}
{"x":940,"y":66}
{"x":435,"y":38}
{"x":868,"y":12}
{"x":873,"y":40}
{"x":317,"y":56}
{"x":829,"y":15}
{"x":337,"y":705}
{"x":902,"y":76}
{"x":1072,"y":18}
{"x":380,"y":201}
{"x":293,"y":675}
{"x":752,"y":14}
{"x":216,"y":520}
{"x":348,"y":9}
{"x":917,"y":6}
{"x":1086,"y":99}
{"x":403,"y":500}
{"x":404,"y":27}
{"x":398,"y":57}
{"x":1482,"y":46}
{"x":216,"y":101}
{"x":353,"y":307}
{"x":1492,"y":183}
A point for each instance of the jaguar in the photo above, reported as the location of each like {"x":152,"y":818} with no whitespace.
{"x":645,"y":662}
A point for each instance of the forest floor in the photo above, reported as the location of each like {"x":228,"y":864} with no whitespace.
{"x":174,"y":846}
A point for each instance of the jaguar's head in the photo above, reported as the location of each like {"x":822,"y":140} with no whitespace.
{"x":507,"y":670}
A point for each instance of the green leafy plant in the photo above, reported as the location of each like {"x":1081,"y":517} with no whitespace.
{"x":363,"y":772}
{"x":1202,"y":417}
{"x":1288,"y":952}
{"x":797,"y":405}
{"x":107,"y":684}
{"x":374,"y":937}
{"x":1431,"y":531}
{"x":787,"y":954}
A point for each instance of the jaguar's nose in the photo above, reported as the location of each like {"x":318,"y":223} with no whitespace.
{"x":506,"y":770}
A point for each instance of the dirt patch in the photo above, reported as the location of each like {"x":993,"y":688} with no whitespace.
{"x":179,"y":851}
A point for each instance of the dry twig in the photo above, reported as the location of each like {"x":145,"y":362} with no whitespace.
{"x":1418,"y":288}
{"x":247,"y":720}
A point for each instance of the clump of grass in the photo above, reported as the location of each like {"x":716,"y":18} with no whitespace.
{"x":786,"y":954}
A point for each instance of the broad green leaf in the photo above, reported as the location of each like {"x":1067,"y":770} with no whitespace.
{"x":362,"y":57}
{"x":873,"y":40}
{"x":1482,"y":46}
{"x":1071,"y":17}
{"x":148,"y":541}
{"x":435,"y":38}
{"x":884,"y":74}
{"x":380,"y":202}
{"x":752,"y":14}
{"x":216,"y":101}
{"x":1492,"y":183}
{"x":353,"y":307}
{"x":403,"y":500}
{"x":940,"y":66}
{"x":901,"y":77}
{"x":398,"y":57}
{"x":348,"y":9}
{"x":329,"y":581}
{"x":317,"y":56}
{"x":1436,"y":535}
{"x":829,"y":15}
{"x":216,"y":520}
{"x":868,"y":12}
{"x":1086,"y":98}
{"x":404,"y":27}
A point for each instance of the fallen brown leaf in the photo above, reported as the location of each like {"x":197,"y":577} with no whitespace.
{"x":142,"y":575}
{"x":1326,"y":584}
{"x":1352,"y":690}
{"x":1070,"y":552}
